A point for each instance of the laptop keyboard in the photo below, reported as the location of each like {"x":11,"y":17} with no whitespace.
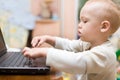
{"x":16,"y":59}
{"x":10,"y":59}
{"x":39,"y":62}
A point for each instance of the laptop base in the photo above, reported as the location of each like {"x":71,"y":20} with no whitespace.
{"x":24,"y":71}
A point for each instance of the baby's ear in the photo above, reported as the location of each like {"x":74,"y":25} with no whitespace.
{"x":105,"y":26}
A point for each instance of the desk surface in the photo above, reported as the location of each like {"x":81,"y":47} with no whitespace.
{"x":51,"y":76}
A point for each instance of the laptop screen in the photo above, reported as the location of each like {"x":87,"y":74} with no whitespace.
{"x":3,"y":48}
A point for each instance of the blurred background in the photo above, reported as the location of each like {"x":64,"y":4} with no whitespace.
{"x":21,"y":20}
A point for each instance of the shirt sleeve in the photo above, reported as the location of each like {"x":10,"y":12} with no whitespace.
{"x":65,"y":61}
{"x":91,"y":61}
{"x":71,"y":45}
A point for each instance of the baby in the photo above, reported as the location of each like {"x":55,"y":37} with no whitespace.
{"x":93,"y":55}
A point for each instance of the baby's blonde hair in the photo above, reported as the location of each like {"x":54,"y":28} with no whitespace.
{"x":111,"y":12}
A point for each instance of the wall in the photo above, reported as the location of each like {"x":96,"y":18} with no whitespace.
{"x":68,"y":16}
{"x":69,"y":19}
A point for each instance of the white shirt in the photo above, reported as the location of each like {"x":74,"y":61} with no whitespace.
{"x":98,"y":63}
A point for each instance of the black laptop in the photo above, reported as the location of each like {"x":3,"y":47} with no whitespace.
{"x":16,"y":63}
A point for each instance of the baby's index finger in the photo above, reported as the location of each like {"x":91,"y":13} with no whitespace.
{"x":33,"y":45}
{"x":23,"y":51}
{"x":36,"y":44}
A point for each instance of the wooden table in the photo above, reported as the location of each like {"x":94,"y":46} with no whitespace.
{"x":51,"y":76}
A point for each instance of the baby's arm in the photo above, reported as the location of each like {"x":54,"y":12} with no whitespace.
{"x":71,"y":45}
{"x":57,"y":42}
{"x":81,"y":62}
{"x":60,"y":43}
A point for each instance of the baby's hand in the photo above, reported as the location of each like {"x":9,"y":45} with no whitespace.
{"x":38,"y":41}
{"x":34,"y":52}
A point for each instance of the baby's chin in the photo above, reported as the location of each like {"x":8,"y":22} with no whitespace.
{"x":81,"y":38}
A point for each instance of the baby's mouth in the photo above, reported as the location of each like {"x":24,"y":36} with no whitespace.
{"x":79,"y":33}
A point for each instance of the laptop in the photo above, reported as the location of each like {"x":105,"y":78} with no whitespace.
{"x":15,"y":63}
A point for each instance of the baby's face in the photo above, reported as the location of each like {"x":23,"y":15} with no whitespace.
{"x":89,"y":27}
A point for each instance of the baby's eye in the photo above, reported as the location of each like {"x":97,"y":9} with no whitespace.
{"x":85,"y":21}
